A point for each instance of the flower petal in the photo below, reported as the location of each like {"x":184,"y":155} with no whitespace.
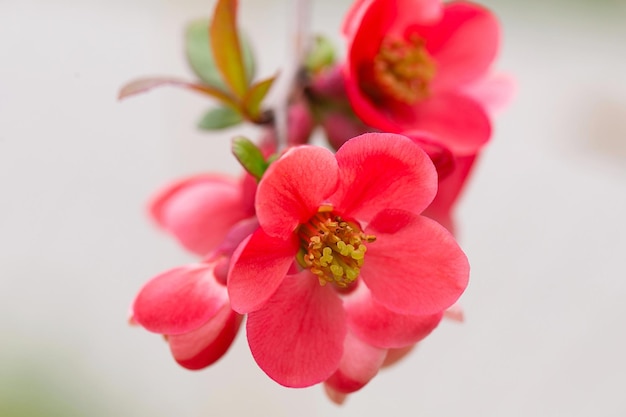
{"x":383,"y":170}
{"x":381,"y":327}
{"x":494,"y":91}
{"x":199,"y":211}
{"x":359,"y":364}
{"x":293,"y":188}
{"x":297,"y":337}
{"x":459,"y":122}
{"x":415,"y":266}
{"x":335,"y":396}
{"x":449,"y":191}
{"x":258,"y":266}
{"x":179,"y":300}
{"x":464,"y":43}
{"x":395,"y":355}
{"x":202,"y":347}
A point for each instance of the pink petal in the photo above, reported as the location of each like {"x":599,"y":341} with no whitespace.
{"x":494,"y":91}
{"x":395,"y":355}
{"x":440,"y":155}
{"x":381,"y":327}
{"x":258,"y":266}
{"x":297,"y":337}
{"x":199,"y":211}
{"x":450,"y":189}
{"x":359,"y":364}
{"x":293,"y":188}
{"x":455,"y":313}
{"x":202,"y":347}
{"x":179,"y":300}
{"x":464,"y":44}
{"x":457,"y":121}
{"x":335,"y":396}
{"x":383,"y":170}
{"x":415,"y":266}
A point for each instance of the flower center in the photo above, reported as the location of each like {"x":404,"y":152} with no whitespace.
{"x":332,"y":248}
{"x":403,"y":69}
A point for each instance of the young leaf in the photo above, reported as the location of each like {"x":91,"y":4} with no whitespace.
{"x":321,"y":55}
{"x":254,"y":97}
{"x":200,"y":55}
{"x":226,"y":47}
{"x":145,"y":84}
{"x":249,"y":156}
{"x":220,"y":118}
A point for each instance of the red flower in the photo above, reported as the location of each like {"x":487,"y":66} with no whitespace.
{"x":201,"y":210}
{"x":411,"y":66}
{"x":189,"y":306}
{"x":346,"y":218}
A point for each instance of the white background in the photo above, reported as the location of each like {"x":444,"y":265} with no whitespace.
{"x":542,"y":221}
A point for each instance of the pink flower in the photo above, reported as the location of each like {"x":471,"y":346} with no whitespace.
{"x":411,"y":66}
{"x":189,"y":306}
{"x":201,"y":210}
{"x":351,"y":221}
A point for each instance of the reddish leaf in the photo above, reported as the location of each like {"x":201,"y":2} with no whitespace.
{"x":255,"y":95}
{"x":226,"y":47}
{"x":145,"y":84}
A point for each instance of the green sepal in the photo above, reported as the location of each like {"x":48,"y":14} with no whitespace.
{"x":249,"y":156}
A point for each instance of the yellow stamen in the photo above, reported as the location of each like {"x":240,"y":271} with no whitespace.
{"x":332,"y":248}
{"x":403,"y":69}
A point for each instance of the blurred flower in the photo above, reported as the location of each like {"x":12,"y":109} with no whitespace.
{"x":411,"y":65}
{"x":189,"y":306}
{"x":343,"y":217}
{"x":201,"y":210}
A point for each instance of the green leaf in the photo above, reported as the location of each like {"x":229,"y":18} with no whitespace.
{"x":322,"y":55}
{"x":249,"y":156}
{"x":254,"y":97}
{"x":220,"y":118}
{"x":225,"y":44}
{"x":199,"y":54}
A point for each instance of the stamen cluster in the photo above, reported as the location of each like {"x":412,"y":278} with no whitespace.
{"x":332,"y":248}
{"x":404,"y":69}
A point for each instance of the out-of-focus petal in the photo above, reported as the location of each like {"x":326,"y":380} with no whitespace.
{"x":179,"y":300}
{"x":457,"y":121}
{"x":415,"y":266}
{"x":383,"y":170}
{"x":359,"y":364}
{"x":293,"y":188}
{"x":199,"y":211}
{"x":464,"y":44}
{"x":450,"y":189}
{"x":380,"y":327}
{"x":440,"y":155}
{"x":395,"y":355}
{"x":455,"y":313}
{"x":257,"y":268}
{"x":297,"y":337}
{"x":202,"y":347}
{"x":494,"y":91}
{"x":335,"y":396}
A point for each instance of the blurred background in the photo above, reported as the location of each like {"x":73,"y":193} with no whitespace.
{"x":542,"y":220}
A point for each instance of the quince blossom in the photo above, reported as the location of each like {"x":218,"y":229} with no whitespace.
{"x":420,"y":65}
{"x":342,"y":261}
{"x":201,"y":210}
{"x":189,"y":306}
